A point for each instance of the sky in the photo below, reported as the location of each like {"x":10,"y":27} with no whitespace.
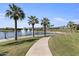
{"x":59,"y":14}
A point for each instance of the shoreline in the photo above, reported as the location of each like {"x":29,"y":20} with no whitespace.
{"x":3,"y":40}
{"x":20,"y":37}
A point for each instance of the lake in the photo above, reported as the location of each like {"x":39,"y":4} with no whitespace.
{"x":19,"y":33}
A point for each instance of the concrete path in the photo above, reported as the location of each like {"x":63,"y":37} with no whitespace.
{"x":40,"y":48}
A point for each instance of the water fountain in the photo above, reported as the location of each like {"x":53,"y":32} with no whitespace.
{"x":23,"y":31}
{"x":28,"y":30}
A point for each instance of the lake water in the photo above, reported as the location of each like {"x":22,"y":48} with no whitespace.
{"x":19,"y":33}
{"x":12,"y":34}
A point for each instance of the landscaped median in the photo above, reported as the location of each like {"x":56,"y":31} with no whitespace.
{"x":64,"y":44}
{"x":19,"y":48}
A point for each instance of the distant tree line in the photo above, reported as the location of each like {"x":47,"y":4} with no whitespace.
{"x":9,"y":29}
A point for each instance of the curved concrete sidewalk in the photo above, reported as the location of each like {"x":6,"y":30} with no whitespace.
{"x":40,"y":48}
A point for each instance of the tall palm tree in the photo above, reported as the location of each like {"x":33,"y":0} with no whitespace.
{"x":33,"y":20}
{"x":45,"y":22}
{"x":16,"y":13}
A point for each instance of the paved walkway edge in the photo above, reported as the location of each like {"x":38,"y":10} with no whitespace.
{"x":40,"y":48}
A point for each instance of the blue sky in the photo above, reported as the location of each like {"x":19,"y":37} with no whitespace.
{"x":58,"y":14}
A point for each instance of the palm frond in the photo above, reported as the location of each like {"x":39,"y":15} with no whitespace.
{"x":15,"y":12}
{"x":8,"y":13}
{"x":11,"y":7}
{"x":45,"y":21}
{"x":33,"y":20}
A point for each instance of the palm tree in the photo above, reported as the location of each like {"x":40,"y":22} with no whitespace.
{"x":33,"y":20}
{"x":71,"y":26}
{"x":45,"y":22}
{"x":16,"y":13}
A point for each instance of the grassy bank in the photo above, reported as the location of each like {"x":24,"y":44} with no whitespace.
{"x":19,"y":48}
{"x":65,"y":45}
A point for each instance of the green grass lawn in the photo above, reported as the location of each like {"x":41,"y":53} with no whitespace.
{"x":64,"y":44}
{"x":19,"y":48}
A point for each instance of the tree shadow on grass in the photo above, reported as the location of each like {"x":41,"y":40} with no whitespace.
{"x":3,"y":53}
{"x":18,"y":42}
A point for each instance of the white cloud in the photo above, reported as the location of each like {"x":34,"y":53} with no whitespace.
{"x":62,"y":21}
{"x":2,"y":15}
{"x":59,"y":21}
{"x":75,"y":20}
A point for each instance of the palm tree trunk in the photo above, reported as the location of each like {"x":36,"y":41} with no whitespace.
{"x":44,"y":30}
{"x":15,"y":29}
{"x":33,"y":29}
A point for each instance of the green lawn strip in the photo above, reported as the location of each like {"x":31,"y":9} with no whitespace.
{"x":19,"y":48}
{"x":64,"y":45}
